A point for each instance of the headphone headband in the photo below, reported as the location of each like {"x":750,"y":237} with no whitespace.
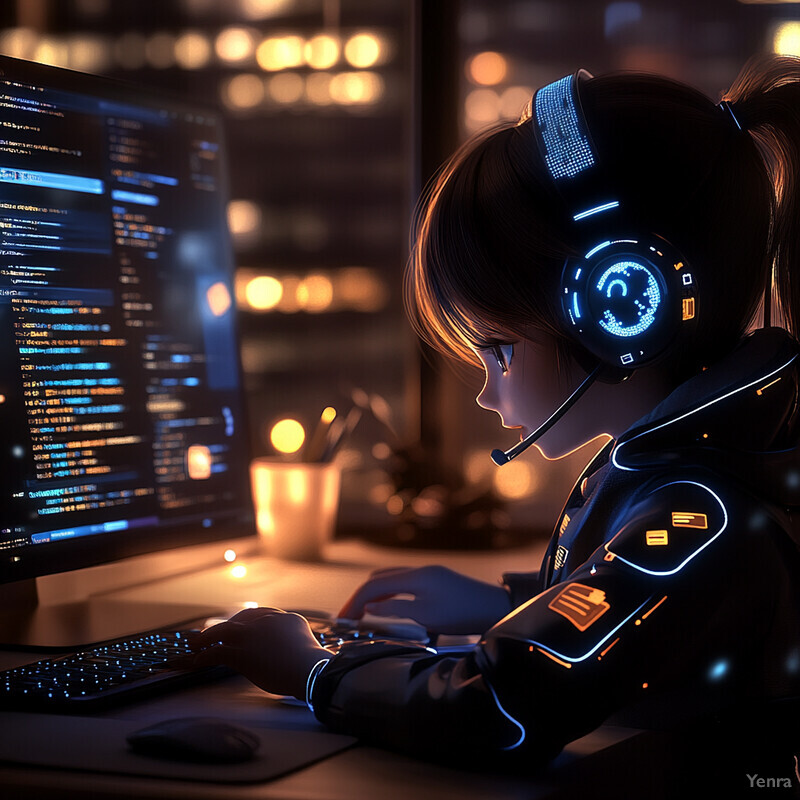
{"x":564,"y":139}
{"x":566,"y":147}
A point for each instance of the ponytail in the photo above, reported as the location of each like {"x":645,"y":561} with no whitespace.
{"x":765,"y":99}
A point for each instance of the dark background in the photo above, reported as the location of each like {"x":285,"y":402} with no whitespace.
{"x":329,"y":144}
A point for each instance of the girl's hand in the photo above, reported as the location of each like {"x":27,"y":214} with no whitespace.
{"x":441,"y":600}
{"x":274,"y":649}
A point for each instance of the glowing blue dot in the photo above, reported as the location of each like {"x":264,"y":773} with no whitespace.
{"x":758,"y":519}
{"x":621,"y":15}
{"x":718,"y":670}
{"x":793,"y":661}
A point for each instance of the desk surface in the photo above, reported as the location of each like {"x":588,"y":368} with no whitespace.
{"x":360,"y":772}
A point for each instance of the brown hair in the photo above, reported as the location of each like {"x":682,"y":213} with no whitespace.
{"x":492,"y":233}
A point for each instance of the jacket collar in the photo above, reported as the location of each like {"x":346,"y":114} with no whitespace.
{"x":745,"y":402}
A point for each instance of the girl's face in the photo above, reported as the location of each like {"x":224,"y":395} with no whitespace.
{"x":524,"y":387}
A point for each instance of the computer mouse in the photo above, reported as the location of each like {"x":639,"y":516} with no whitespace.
{"x":195,"y":739}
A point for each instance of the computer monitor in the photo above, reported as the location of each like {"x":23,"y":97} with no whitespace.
{"x":121,"y":411}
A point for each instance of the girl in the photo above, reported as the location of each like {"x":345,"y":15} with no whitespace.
{"x":671,"y":583}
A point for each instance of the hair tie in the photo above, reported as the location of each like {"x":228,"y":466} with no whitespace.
{"x":728,"y":108}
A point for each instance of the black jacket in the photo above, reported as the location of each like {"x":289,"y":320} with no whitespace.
{"x":670,"y":587}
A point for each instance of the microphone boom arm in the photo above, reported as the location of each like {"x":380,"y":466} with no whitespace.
{"x":501,"y":457}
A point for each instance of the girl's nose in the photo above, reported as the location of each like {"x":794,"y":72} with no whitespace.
{"x":486,"y":397}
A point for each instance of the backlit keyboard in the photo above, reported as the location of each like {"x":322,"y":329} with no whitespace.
{"x":105,"y":674}
{"x":129,"y":669}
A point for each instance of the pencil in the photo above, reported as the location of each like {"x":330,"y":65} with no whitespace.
{"x":317,"y":444}
{"x":339,"y":432}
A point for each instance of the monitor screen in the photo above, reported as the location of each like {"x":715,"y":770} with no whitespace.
{"x":121,"y":409}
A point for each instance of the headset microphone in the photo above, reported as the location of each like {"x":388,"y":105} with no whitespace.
{"x":501,"y":457}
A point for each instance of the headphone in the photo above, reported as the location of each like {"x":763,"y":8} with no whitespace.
{"x":629,"y":296}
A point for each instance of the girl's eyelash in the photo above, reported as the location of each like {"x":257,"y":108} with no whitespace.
{"x":503,"y":353}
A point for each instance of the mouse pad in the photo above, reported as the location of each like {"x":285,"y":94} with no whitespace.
{"x":98,"y":745}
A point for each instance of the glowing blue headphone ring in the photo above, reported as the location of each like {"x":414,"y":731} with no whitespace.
{"x":626,"y":299}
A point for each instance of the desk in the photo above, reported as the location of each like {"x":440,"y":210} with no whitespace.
{"x":361,"y":772}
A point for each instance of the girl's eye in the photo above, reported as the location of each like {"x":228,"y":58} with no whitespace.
{"x":503,"y":353}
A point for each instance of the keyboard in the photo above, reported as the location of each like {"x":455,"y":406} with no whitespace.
{"x":103,"y":675}
{"x":130,"y":669}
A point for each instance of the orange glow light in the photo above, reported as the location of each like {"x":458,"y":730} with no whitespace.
{"x":786,"y":39}
{"x":244,"y":91}
{"x":648,"y":613}
{"x":234,"y":44}
{"x":487,"y":68}
{"x":263,"y":292}
{"x":192,"y":50}
{"x":287,"y":436}
{"x":482,"y":106}
{"x":282,"y":52}
{"x":363,"y":50}
{"x":88,"y":53}
{"x":218,"y":298}
{"x":760,"y":391}
{"x":244,"y":216}
{"x":607,"y":648}
{"x":554,"y":658}
{"x":286,"y":88}
{"x":515,"y":481}
{"x":318,"y":89}
{"x":315,"y":293}
{"x":321,"y":52}
{"x":687,"y":519}
{"x":362,"y":289}
{"x":656,"y":538}
{"x":356,"y":88}
{"x":198,"y":462}
{"x":259,"y":9}
{"x":581,"y":605}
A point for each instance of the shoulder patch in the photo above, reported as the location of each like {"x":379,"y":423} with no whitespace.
{"x":666,"y":530}
{"x":579,"y":622}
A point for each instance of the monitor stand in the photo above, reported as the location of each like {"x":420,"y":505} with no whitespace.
{"x":27,"y":624}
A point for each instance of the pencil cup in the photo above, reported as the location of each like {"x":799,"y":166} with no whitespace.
{"x":296,"y":506}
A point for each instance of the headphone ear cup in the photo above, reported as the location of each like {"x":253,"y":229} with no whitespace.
{"x":627,"y":300}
